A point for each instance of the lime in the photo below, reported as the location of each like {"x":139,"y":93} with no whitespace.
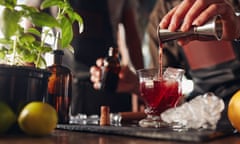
{"x":38,"y":119}
{"x":7,"y":117}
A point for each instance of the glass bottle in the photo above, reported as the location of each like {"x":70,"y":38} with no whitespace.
{"x":110,"y":70}
{"x":60,"y":85}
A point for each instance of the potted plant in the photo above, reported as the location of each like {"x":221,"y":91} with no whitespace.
{"x":23,"y":74}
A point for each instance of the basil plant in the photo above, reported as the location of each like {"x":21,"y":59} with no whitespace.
{"x":19,"y":46}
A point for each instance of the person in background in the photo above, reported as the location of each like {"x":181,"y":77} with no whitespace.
{"x":101,"y":31}
{"x":212,"y":65}
{"x":144,"y":8}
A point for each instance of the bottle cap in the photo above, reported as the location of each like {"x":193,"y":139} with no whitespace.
{"x":105,"y":116}
{"x":58,"y":52}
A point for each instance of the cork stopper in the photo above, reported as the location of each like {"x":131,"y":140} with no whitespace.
{"x":105,"y":116}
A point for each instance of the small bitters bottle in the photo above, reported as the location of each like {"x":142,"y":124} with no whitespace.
{"x":60,"y":85}
{"x":110,"y":70}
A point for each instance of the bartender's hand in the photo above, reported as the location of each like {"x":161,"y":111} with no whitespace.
{"x":197,"y":12}
{"x":128,"y":81}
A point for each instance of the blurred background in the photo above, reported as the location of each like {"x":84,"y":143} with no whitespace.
{"x":144,"y":8}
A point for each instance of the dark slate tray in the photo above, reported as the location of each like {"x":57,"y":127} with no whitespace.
{"x":189,"y":135}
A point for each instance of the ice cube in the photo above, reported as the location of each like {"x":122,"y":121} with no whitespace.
{"x":204,"y":111}
{"x":149,"y":83}
{"x":173,"y":73}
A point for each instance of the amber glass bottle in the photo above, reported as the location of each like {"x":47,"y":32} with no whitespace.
{"x":110,"y":71}
{"x":60,"y":86}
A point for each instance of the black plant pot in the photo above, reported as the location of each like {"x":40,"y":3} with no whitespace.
{"x":20,"y":85}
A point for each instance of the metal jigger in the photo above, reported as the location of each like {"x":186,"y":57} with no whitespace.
{"x":209,"y":31}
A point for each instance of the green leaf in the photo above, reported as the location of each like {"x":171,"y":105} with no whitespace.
{"x":9,"y":22}
{"x":73,"y":16}
{"x":8,"y":3}
{"x":27,"y":9}
{"x":43,"y":19}
{"x":45,"y":49}
{"x":80,"y":22}
{"x":49,"y":3}
{"x":27,"y":38}
{"x":67,"y":32}
{"x":35,"y":46}
{"x":34,"y":31}
{"x":2,"y":54}
{"x":5,"y":41}
{"x":41,"y":63}
{"x":29,"y":57}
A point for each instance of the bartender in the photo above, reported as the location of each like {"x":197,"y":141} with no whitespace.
{"x":212,"y":65}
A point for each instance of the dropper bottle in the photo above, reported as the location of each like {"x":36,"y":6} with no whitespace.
{"x":60,"y":84}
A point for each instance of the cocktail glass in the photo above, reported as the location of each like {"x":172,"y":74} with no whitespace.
{"x":159,"y":92}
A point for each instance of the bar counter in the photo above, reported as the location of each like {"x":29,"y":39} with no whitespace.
{"x":74,"y":137}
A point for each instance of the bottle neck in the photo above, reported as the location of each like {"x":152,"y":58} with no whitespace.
{"x":113,"y":52}
{"x":57,"y":59}
{"x":58,"y":54}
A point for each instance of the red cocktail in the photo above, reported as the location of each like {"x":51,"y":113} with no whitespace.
{"x":159,"y":93}
{"x":160,"y":96}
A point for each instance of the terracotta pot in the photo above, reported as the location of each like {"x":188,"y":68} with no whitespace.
{"x":20,"y":85}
